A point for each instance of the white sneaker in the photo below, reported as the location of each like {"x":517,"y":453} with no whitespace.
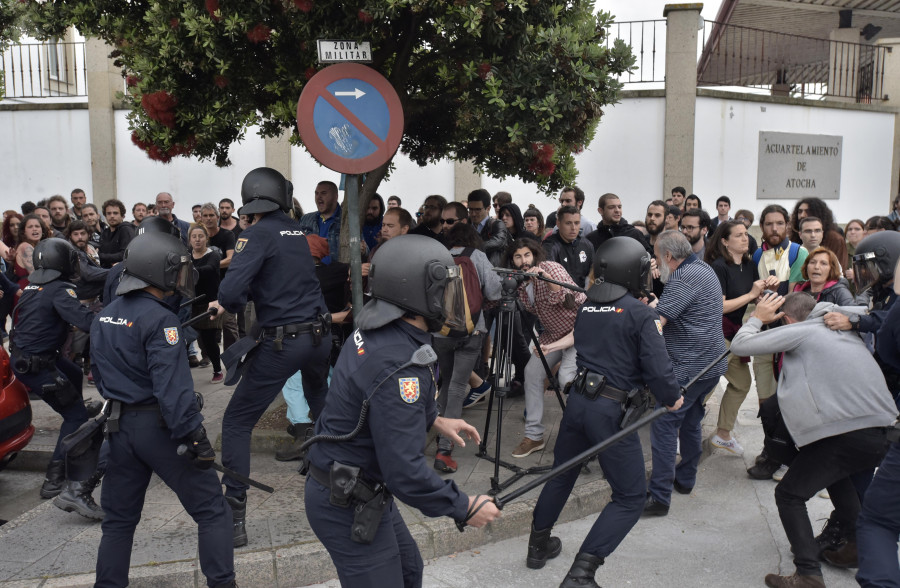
{"x":779,"y":473}
{"x":730,"y":445}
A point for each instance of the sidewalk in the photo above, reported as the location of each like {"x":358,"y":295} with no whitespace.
{"x":47,"y":547}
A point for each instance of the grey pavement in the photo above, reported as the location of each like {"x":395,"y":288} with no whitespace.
{"x":726,"y":532}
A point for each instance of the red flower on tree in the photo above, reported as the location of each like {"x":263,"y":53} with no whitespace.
{"x":174,"y":22}
{"x":160,"y":106}
{"x":484,"y":70}
{"x":132,"y":81}
{"x":212,"y":6}
{"x":303,"y":5}
{"x":310,"y":72}
{"x":365,"y":16}
{"x":542,"y":162}
{"x":220,"y":81}
{"x":259,"y":33}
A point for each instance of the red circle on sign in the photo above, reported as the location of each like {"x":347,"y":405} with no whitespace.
{"x":317,"y":87}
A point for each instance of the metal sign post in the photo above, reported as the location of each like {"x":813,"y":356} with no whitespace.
{"x":351,"y":190}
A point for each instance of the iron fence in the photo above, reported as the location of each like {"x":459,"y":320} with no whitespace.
{"x":44,"y":70}
{"x":790,"y":65}
{"x":647,"y":39}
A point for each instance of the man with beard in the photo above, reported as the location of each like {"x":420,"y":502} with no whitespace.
{"x":78,"y":199}
{"x":116,"y":236}
{"x":227,"y":220}
{"x":694,"y":225}
{"x":655,"y":223}
{"x":165,"y":204}
{"x":673,"y":216}
{"x":91,"y":276}
{"x":372,"y":226}
{"x":613,"y":225}
{"x":778,"y":257}
{"x":430,"y":223}
{"x":138,"y":211}
{"x":326,"y":221}
{"x":59,"y":213}
{"x":93,"y":224}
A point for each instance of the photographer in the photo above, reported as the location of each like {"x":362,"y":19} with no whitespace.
{"x":556,"y":307}
{"x":835,"y":405}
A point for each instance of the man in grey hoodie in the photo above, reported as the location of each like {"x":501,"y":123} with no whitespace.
{"x":836,"y":406}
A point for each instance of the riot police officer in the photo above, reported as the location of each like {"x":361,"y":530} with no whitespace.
{"x":630,"y":355}
{"x":272,"y":265}
{"x":47,"y":307}
{"x":368,"y":455}
{"x":141,"y":368}
{"x":150,"y":224}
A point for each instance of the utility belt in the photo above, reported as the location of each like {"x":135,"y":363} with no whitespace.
{"x":117,"y":407}
{"x":349,"y":488}
{"x":25,"y":363}
{"x":317,"y":329}
{"x":635,"y":402}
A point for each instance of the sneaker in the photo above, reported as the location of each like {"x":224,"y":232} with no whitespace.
{"x":824,"y":494}
{"x":476,"y":395}
{"x":90,"y":380}
{"x":654,"y":508}
{"x":217,"y":377}
{"x":779,"y":473}
{"x":730,"y":445}
{"x":443,"y":462}
{"x":204,"y":362}
{"x":527,"y":447}
{"x":193,"y":361}
{"x":763,"y":468}
{"x":794,"y":581}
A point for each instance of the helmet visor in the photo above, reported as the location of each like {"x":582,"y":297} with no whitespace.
{"x":184,"y":278}
{"x":865,"y":271}
{"x":455,"y":304}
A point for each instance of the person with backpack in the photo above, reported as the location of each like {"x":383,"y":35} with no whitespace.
{"x":457,"y":348}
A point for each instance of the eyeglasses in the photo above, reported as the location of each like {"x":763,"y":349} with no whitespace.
{"x":448,"y":221}
{"x":685,"y":228}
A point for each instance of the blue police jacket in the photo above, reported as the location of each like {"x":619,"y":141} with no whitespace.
{"x":138,"y":354}
{"x":403,"y":408}
{"x":43,"y":315}
{"x":272,"y":265}
{"x":112,"y":282}
{"x":630,"y":350}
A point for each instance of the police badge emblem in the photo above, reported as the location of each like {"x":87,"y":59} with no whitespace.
{"x":409,"y":389}
{"x":239,"y":246}
{"x":171,"y":335}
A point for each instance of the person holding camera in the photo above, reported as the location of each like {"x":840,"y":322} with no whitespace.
{"x":836,"y":407}
{"x":631,"y":355}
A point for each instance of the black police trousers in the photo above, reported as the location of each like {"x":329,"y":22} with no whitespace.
{"x":261,"y":382}
{"x":74,"y":413}
{"x":392,"y":559}
{"x":586,"y":423}
{"x":140,"y":448}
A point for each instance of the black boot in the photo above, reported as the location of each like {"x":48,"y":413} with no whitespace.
{"x":232,"y":584}
{"x":239,"y":516}
{"x":292,"y":451}
{"x":76,"y":497}
{"x":833,"y":536}
{"x":56,"y":477}
{"x":541,"y":547}
{"x":582,"y":572}
{"x":764,"y":467}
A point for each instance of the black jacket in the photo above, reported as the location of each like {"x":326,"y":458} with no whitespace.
{"x":495,"y":238}
{"x":576,"y":257}
{"x":603,"y":233}
{"x":113,"y":244}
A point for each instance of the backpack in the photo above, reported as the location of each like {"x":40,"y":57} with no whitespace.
{"x":471,"y":294}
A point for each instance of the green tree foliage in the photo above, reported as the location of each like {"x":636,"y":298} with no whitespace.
{"x":10,"y":21}
{"x":516,"y":86}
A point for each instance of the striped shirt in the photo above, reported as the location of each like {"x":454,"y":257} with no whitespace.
{"x":692,"y":306}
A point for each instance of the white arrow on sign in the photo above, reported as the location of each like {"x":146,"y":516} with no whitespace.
{"x":356,"y":92}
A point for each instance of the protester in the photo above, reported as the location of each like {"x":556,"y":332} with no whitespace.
{"x":207,"y":262}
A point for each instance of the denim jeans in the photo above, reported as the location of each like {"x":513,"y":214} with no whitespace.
{"x":456,"y":358}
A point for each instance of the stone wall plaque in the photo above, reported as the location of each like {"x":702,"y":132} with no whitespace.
{"x":797,"y":166}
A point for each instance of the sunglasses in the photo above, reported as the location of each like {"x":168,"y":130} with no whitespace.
{"x":448,"y":221}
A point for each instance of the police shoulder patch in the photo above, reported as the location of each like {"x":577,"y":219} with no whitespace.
{"x":658,"y":326}
{"x":409,"y":389}
{"x":71,"y":292}
{"x":239,"y":246}
{"x":171,"y":334}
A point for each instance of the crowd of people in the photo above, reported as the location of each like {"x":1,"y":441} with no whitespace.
{"x":699,"y":282}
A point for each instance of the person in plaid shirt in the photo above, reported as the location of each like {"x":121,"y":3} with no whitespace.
{"x":556,"y":308}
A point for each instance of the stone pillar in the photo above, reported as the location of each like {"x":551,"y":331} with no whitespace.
{"x":104,"y":80}
{"x":278,"y":153}
{"x":682,"y":24}
{"x":843,"y":65}
{"x":465,"y":179}
{"x":889,"y":75}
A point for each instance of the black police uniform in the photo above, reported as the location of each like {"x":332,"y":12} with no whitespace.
{"x":139,"y":360}
{"x":272,"y":265}
{"x":630,"y":354}
{"x":388,"y":451}
{"x":41,"y":325}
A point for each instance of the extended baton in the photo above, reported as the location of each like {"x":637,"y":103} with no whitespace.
{"x":591,"y":452}
{"x":200,"y":298}
{"x":182,"y":449}
{"x":199,"y":317}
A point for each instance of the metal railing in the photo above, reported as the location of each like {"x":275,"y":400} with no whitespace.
{"x":44,"y":70}
{"x":647,"y":39}
{"x":790,"y":65}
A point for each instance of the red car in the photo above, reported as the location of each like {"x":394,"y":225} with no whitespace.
{"x":16,"y":429}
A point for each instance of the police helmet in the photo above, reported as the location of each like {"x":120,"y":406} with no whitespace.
{"x":874,"y":260}
{"x":621,"y":265}
{"x":156,"y":224}
{"x":54,"y":258}
{"x":265,"y":190}
{"x":160,"y":260}
{"x":413,"y":274}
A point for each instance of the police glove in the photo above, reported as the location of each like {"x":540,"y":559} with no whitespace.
{"x":199,"y":450}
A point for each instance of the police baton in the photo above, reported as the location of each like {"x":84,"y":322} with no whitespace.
{"x":196,"y":319}
{"x":200,"y":298}
{"x":591,"y":452}
{"x":182,"y":449}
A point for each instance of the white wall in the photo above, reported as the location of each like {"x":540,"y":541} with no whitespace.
{"x":726,"y":153}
